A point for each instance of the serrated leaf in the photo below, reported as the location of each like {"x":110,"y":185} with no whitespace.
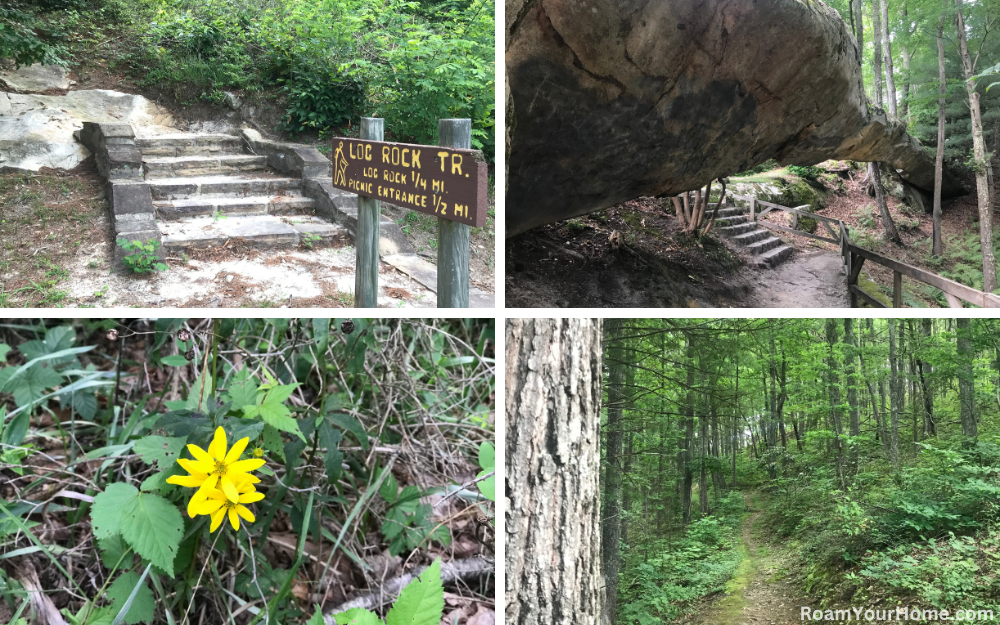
{"x":85,"y":404}
{"x":389,"y":488}
{"x":174,"y":361}
{"x":153,"y":527}
{"x":162,"y":450}
{"x":357,"y":616}
{"x":30,"y":384}
{"x":106,"y":513}
{"x":334,"y":458}
{"x":242,"y":390}
{"x":112,"y":549}
{"x":141,"y":610}
{"x":273,"y":410}
{"x":421,"y":602}
{"x":199,"y":394}
{"x":317,"y":617}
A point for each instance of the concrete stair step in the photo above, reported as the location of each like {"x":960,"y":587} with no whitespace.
{"x":734,"y":220}
{"x":260,"y":231}
{"x":751,"y":237}
{"x":775,"y":256}
{"x":259,"y":205}
{"x":171,"y":166}
{"x":730,"y":211}
{"x":229,"y":186}
{"x":731,"y":231}
{"x":764,"y":245}
{"x":182,"y":144}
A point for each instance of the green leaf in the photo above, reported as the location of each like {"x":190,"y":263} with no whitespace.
{"x":357,"y":616}
{"x":273,"y":410}
{"x":30,"y":383}
{"x":4,"y":350}
{"x":162,"y":450}
{"x":334,"y":458}
{"x":112,"y":549}
{"x":487,"y":456}
{"x":349,"y":424}
{"x":175,"y":361}
{"x":17,"y":429}
{"x":141,"y":610}
{"x":200,"y":393}
{"x":153,"y":527}
{"x":106,"y":512}
{"x":487,"y":459}
{"x":273,"y":442}
{"x":421,"y":602}
{"x":317,"y":617}
{"x":242,"y":390}
{"x":389,"y":489}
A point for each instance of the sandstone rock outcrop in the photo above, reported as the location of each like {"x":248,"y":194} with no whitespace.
{"x":615,"y":99}
{"x":37,"y":130}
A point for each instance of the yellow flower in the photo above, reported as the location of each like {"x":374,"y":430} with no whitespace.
{"x":217,"y":504}
{"x":216,"y":467}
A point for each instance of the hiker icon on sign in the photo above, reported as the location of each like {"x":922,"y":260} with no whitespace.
{"x":340,"y":166}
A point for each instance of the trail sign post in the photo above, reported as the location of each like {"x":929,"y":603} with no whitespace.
{"x":447,"y":181}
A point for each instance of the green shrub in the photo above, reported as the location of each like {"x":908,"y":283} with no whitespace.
{"x":141,"y":256}
{"x":321,"y":100}
{"x":27,"y":40}
{"x":809,"y":172}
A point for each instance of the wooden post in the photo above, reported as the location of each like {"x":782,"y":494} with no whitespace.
{"x":367,"y":237}
{"x":795,"y":221}
{"x":753,"y":208}
{"x":453,"y":237}
{"x":897,"y":289}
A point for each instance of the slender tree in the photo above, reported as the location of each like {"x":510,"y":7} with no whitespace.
{"x":937,"y":247}
{"x":966,"y":381}
{"x":611,"y":526}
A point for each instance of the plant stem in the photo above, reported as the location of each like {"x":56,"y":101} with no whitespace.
{"x":194,"y":591}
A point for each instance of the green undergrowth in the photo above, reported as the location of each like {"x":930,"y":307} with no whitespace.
{"x":664,"y":578}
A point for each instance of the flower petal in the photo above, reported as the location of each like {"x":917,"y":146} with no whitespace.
{"x":244,"y":512}
{"x":196,"y":499}
{"x":217,"y":517}
{"x":209,"y":507}
{"x":229,"y":489}
{"x":206,"y":463}
{"x":237,"y":450}
{"x":217,"y":448}
{"x":193,"y":467}
{"x":208,"y":485}
{"x":251,"y":497}
{"x":245,"y":465}
{"x":235,"y":520}
{"x":217,"y":495}
{"x":191,"y":481}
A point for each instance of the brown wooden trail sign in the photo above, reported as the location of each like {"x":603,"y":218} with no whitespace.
{"x":444,"y":182}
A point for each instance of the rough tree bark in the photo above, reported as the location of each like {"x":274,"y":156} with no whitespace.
{"x":925,"y":369}
{"x":685,"y":457}
{"x":966,"y":381}
{"x":979,"y":151}
{"x":612,"y":514}
{"x":937,"y":247}
{"x":875,"y":173}
{"x":553,"y":405}
{"x":877,"y":54}
{"x":833,"y":387}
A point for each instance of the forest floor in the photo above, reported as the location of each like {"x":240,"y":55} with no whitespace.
{"x":763,"y":591}
{"x":810,"y":279}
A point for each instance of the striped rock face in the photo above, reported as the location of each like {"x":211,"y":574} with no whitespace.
{"x":616,"y":99}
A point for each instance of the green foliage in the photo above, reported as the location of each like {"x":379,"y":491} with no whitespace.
{"x":141,"y":610}
{"x":486,"y":461}
{"x":420,"y":603}
{"x":810,"y":172}
{"x":320,"y":100}
{"x":27,"y":39}
{"x":408,"y":523}
{"x":150,"y":524}
{"x":767,"y":165}
{"x":141,"y":257}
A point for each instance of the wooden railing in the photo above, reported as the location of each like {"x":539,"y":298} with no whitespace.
{"x":854,"y":258}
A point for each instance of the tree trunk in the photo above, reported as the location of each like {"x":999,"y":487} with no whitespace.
{"x":553,"y":404}
{"x":982,"y":163}
{"x":966,"y":381}
{"x":875,"y":172}
{"x":850,"y":356}
{"x":627,"y":492}
{"x":859,"y":26}
{"x":937,"y":248}
{"x":612,"y":518}
{"x":906,"y":55}
{"x":894,"y":388}
{"x":703,"y":476}
{"x":877,"y":56}
{"x":890,"y":80}
{"x":686,"y":470}
{"x":833,"y":387}
{"x":925,"y":369}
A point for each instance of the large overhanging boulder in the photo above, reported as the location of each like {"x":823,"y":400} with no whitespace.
{"x":615,"y":99}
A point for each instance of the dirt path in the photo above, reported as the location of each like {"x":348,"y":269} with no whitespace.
{"x":759,"y":593}
{"x":811,"y":279}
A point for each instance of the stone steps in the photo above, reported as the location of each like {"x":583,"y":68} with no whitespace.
{"x":736,"y":225}
{"x":226,"y":186}
{"x":173,"y":166}
{"x":186,"y":144}
{"x":247,"y":205}
{"x":259,"y":231}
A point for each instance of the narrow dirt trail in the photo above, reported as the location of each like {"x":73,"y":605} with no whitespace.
{"x":810,"y":279}
{"x":759,"y":593}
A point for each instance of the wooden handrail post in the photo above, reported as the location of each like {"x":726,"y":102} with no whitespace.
{"x":367,"y":237}
{"x":897,"y":289}
{"x":753,"y":209}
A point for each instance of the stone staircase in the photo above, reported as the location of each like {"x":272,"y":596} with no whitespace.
{"x":206,"y":191}
{"x":734,"y":223}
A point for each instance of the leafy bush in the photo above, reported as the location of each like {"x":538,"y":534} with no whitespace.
{"x":141,"y":256}
{"x":26,"y":39}
{"x":809,"y":172}
{"x":767,"y":165}
{"x":321,"y":100}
